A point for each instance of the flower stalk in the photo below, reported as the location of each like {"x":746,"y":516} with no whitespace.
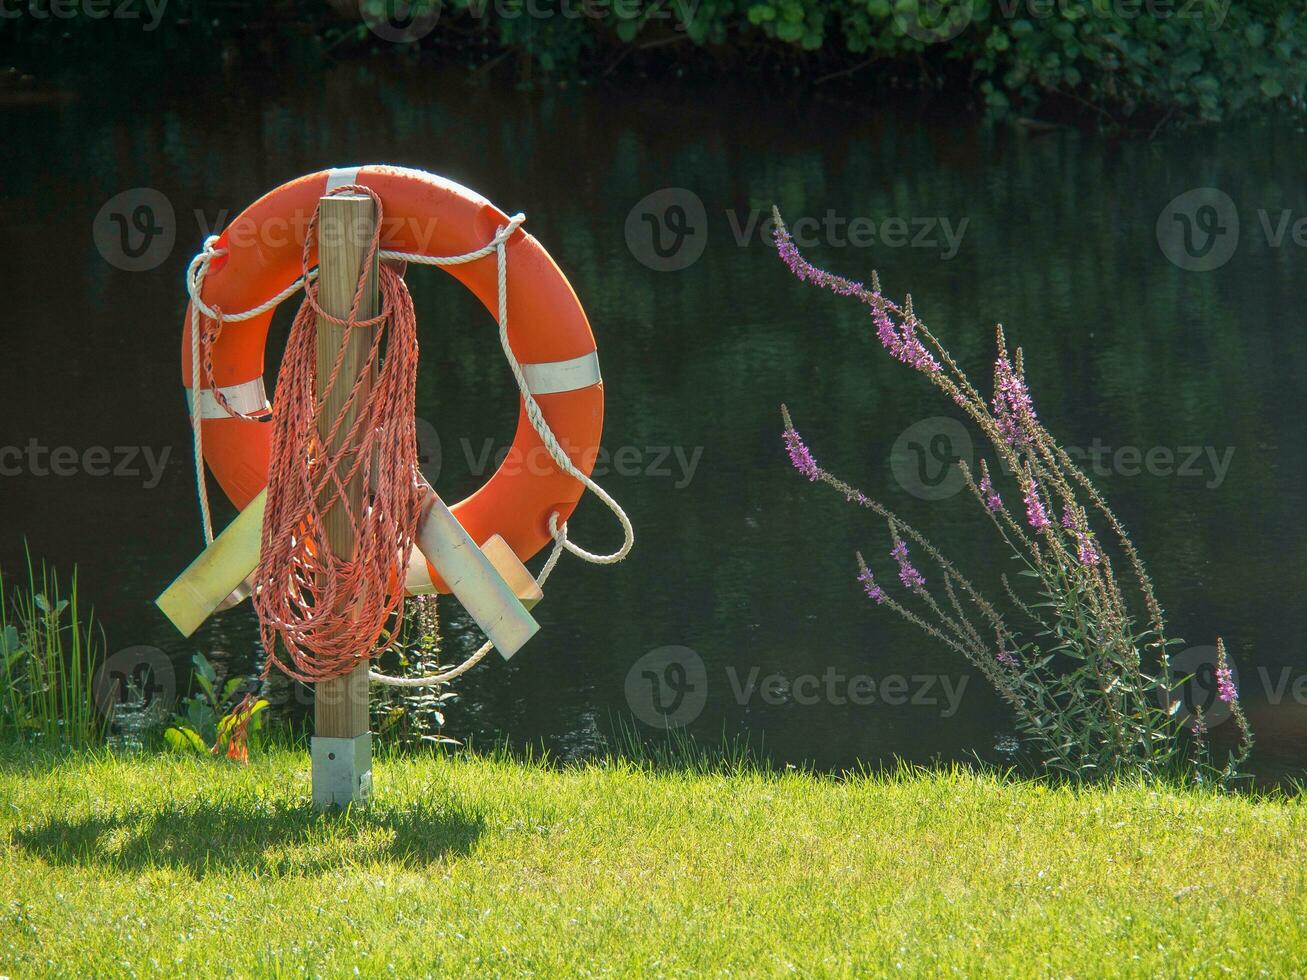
{"x":1088,"y":675}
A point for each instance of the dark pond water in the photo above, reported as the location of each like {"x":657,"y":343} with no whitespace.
{"x":1131,"y":357}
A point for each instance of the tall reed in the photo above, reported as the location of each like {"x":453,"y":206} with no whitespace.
{"x":1078,"y":653}
{"x":50,"y":648}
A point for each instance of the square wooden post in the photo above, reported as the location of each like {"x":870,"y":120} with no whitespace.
{"x":342,"y":745}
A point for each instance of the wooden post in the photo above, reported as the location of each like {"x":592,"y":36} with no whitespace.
{"x":342,"y":744}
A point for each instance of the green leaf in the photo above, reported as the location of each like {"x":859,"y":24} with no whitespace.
{"x":184,"y":739}
{"x":230,"y":687}
{"x":789,"y":30}
{"x":204,"y":668}
{"x":12,"y":646}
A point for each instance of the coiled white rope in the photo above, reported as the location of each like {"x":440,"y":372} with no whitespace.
{"x":195,"y":274}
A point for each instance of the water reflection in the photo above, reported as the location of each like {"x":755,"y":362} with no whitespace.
{"x":739,"y":561}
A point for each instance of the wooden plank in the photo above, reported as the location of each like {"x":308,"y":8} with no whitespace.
{"x":473,"y":578}
{"x":217,"y":573}
{"x":512,"y":571}
{"x":211,"y":581}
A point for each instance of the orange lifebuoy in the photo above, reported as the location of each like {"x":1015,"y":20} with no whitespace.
{"x":258,"y":256}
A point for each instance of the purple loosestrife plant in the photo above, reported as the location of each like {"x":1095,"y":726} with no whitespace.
{"x":1079,"y":656}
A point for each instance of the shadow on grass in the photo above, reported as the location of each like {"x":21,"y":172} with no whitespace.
{"x":254,"y":836}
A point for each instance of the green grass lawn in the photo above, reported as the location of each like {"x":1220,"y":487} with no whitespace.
{"x":167,"y":865}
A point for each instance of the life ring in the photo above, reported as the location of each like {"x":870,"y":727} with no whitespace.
{"x":258,"y":256}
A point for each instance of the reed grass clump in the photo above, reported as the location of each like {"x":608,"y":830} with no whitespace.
{"x":50,"y":647}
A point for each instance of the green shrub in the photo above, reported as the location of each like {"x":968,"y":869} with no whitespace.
{"x":1126,"y":59}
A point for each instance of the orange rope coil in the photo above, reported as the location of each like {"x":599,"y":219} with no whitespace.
{"x":329,"y":611}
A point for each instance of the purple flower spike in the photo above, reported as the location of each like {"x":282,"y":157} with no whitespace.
{"x":900,"y":340}
{"x":805,"y":272}
{"x":1087,"y":552}
{"x":869,"y":586}
{"x":801,"y":456}
{"x":909,"y":576}
{"x":1225,"y":685}
{"x":992,"y":500}
{"x":1035,"y":510}
{"x":1012,"y":404}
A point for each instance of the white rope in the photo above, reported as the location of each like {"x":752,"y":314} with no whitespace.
{"x":195,"y":274}
{"x":537,"y":419}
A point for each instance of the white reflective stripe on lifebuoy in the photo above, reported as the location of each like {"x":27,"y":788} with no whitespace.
{"x":551,"y":377}
{"x":342,"y":176}
{"x":247,"y":398}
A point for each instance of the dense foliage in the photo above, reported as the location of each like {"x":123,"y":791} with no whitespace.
{"x":1127,"y":59}
{"x":1204,"y":57}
